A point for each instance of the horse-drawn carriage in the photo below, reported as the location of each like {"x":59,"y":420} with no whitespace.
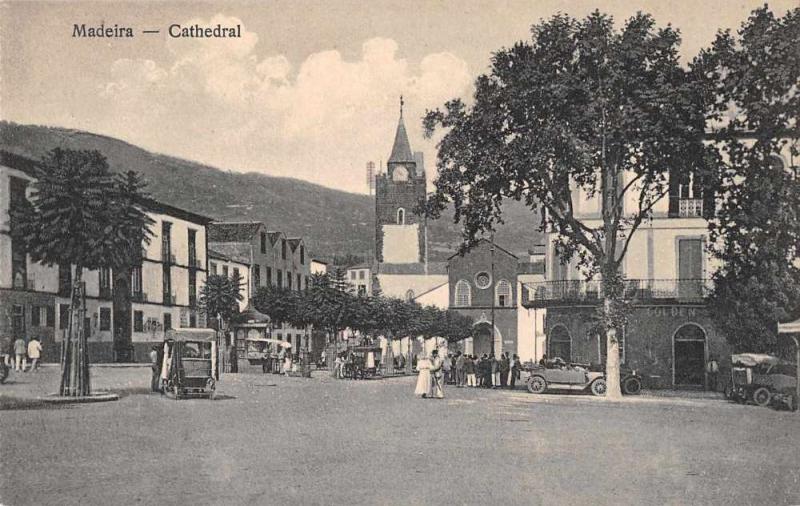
{"x":363,"y":362}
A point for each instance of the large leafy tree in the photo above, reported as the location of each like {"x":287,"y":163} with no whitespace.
{"x":81,"y":214}
{"x":220,"y":297}
{"x":582,"y":106}
{"x":754,"y":103}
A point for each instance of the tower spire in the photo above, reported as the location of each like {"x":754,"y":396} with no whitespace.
{"x":401,"y":150}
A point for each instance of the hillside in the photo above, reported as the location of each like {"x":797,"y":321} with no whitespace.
{"x":331,"y":221}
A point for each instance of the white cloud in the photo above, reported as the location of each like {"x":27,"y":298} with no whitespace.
{"x":220,"y":103}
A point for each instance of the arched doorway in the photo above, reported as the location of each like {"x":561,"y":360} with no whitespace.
{"x":482,"y":341}
{"x":689,"y":356}
{"x":559,"y":343}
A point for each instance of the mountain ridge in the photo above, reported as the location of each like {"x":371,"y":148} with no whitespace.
{"x":332,"y":221}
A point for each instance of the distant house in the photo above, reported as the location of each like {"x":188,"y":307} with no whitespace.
{"x":128,"y":309}
{"x":272,"y":259}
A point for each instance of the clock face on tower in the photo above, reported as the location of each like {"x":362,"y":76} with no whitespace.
{"x":400,"y":173}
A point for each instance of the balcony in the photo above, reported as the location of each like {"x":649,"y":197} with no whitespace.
{"x":138,"y":297}
{"x":549,"y":293}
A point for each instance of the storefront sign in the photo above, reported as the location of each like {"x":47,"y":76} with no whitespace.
{"x":672,"y":311}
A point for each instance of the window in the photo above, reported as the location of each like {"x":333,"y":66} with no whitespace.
{"x":283,"y":249}
{"x":410,"y":295}
{"x":105,"y":318}
{"x":18,"y":321}
{"x":167,"y":321}
{"x":483,"y":280}
{"x":269,"y":276}
{"x":401,"y":216}
{"x":136,"y":281}
{"x":257,"y":276}
{"x":166,"y":241}
{"x":51,"y":316}
{"x":299,"y":282}
{"x":280,"y":278}
{"x":36,"y":316}
{"x":263,"y":242}
{"x":288,"y":280}
{"x":104,"y":281}
{"x":236,"y":274}
{"x":19,"y":257}
{"x":353,"y":274}
{"x":167,"y":283}
{"x":138,"y":321}
{"x":502,"y":291}
{"x":64,"y":280}
{"x":302,"y":255}
{"x":193,"y":249}
{"x":361,"y":274}
{"x":63,"y":316}
{"x":192,"y":287}
{"x":362,"y":290}
{"x":193,"y":319}
{"x":213,"y":268}
{"x":463,"y":295}
{"x":225,"y":270}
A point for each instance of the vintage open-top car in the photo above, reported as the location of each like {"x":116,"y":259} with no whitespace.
{"x":762,"y":378}
{"x":558,"y":375}
{"x":189,"y":366}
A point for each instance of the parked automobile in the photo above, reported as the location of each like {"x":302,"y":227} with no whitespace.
{"x":189,"y":367}
{"x":762,"y":379}
{"x":558,"y":375}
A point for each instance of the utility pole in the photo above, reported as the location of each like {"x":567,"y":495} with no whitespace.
{"x":491,"y":250}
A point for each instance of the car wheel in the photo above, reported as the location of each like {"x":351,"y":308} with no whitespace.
{"x":537,"y":385}
{"x":762,"y":396}
{"x":632,"y":386}
{"x":599,"y":387}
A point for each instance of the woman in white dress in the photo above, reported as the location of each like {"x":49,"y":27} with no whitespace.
{"x":424,"y":377}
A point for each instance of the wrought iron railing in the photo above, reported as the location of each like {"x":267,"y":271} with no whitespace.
{"x":577,"y":291}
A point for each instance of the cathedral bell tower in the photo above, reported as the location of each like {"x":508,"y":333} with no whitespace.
{"x":399,"y":233}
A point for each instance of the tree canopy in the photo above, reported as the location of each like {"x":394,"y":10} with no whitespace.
{"x":221,"y":296}
{"x":753,"y":103}
{"x":581,"y":109}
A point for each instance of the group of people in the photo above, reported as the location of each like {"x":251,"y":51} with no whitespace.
{"x":350,"y":365}
{"x":20,"y":351}
{"x":430,"y":381}
{"x":486,"y":371}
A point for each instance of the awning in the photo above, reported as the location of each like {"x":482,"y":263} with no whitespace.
{"x":789,"y":328}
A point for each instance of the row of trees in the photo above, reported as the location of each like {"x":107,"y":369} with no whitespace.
{"x":328,"y":303}
{"x":617,"y":115}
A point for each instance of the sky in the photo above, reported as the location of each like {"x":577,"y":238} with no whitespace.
{"x":311,"y":89}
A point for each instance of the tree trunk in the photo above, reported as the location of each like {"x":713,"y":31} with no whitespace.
{"x":75,"y":359}
{"x":612,"y":356}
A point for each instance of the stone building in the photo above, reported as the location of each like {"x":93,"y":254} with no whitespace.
{"x":128,"y":309}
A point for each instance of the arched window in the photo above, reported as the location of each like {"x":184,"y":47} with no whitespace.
{"x":410,"y":295}
{"x":401,"y":216}
{"x":560,"y":343}
{"x":502,"y":293}
{"x":463,"y":294}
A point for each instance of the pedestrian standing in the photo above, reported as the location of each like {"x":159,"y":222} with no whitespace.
{"x":423,"y":387}
{"x":469,"y":370}
{"x":6,"y":350}
{"x":712,"y":369}
{"x":494,"y":371}
{"x":155,"y":369}
{"x":20,"y":360}
{"x":503,"y":369}
{"x":34,"y":353}
{"x":437,"y":375}
{"x":460,"y":370}
{"x":447,"y":368}
{"x":513,"y":373}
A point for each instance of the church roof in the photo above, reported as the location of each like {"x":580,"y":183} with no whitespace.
{"x":401,"y":151}
{"x":434,"y":268}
